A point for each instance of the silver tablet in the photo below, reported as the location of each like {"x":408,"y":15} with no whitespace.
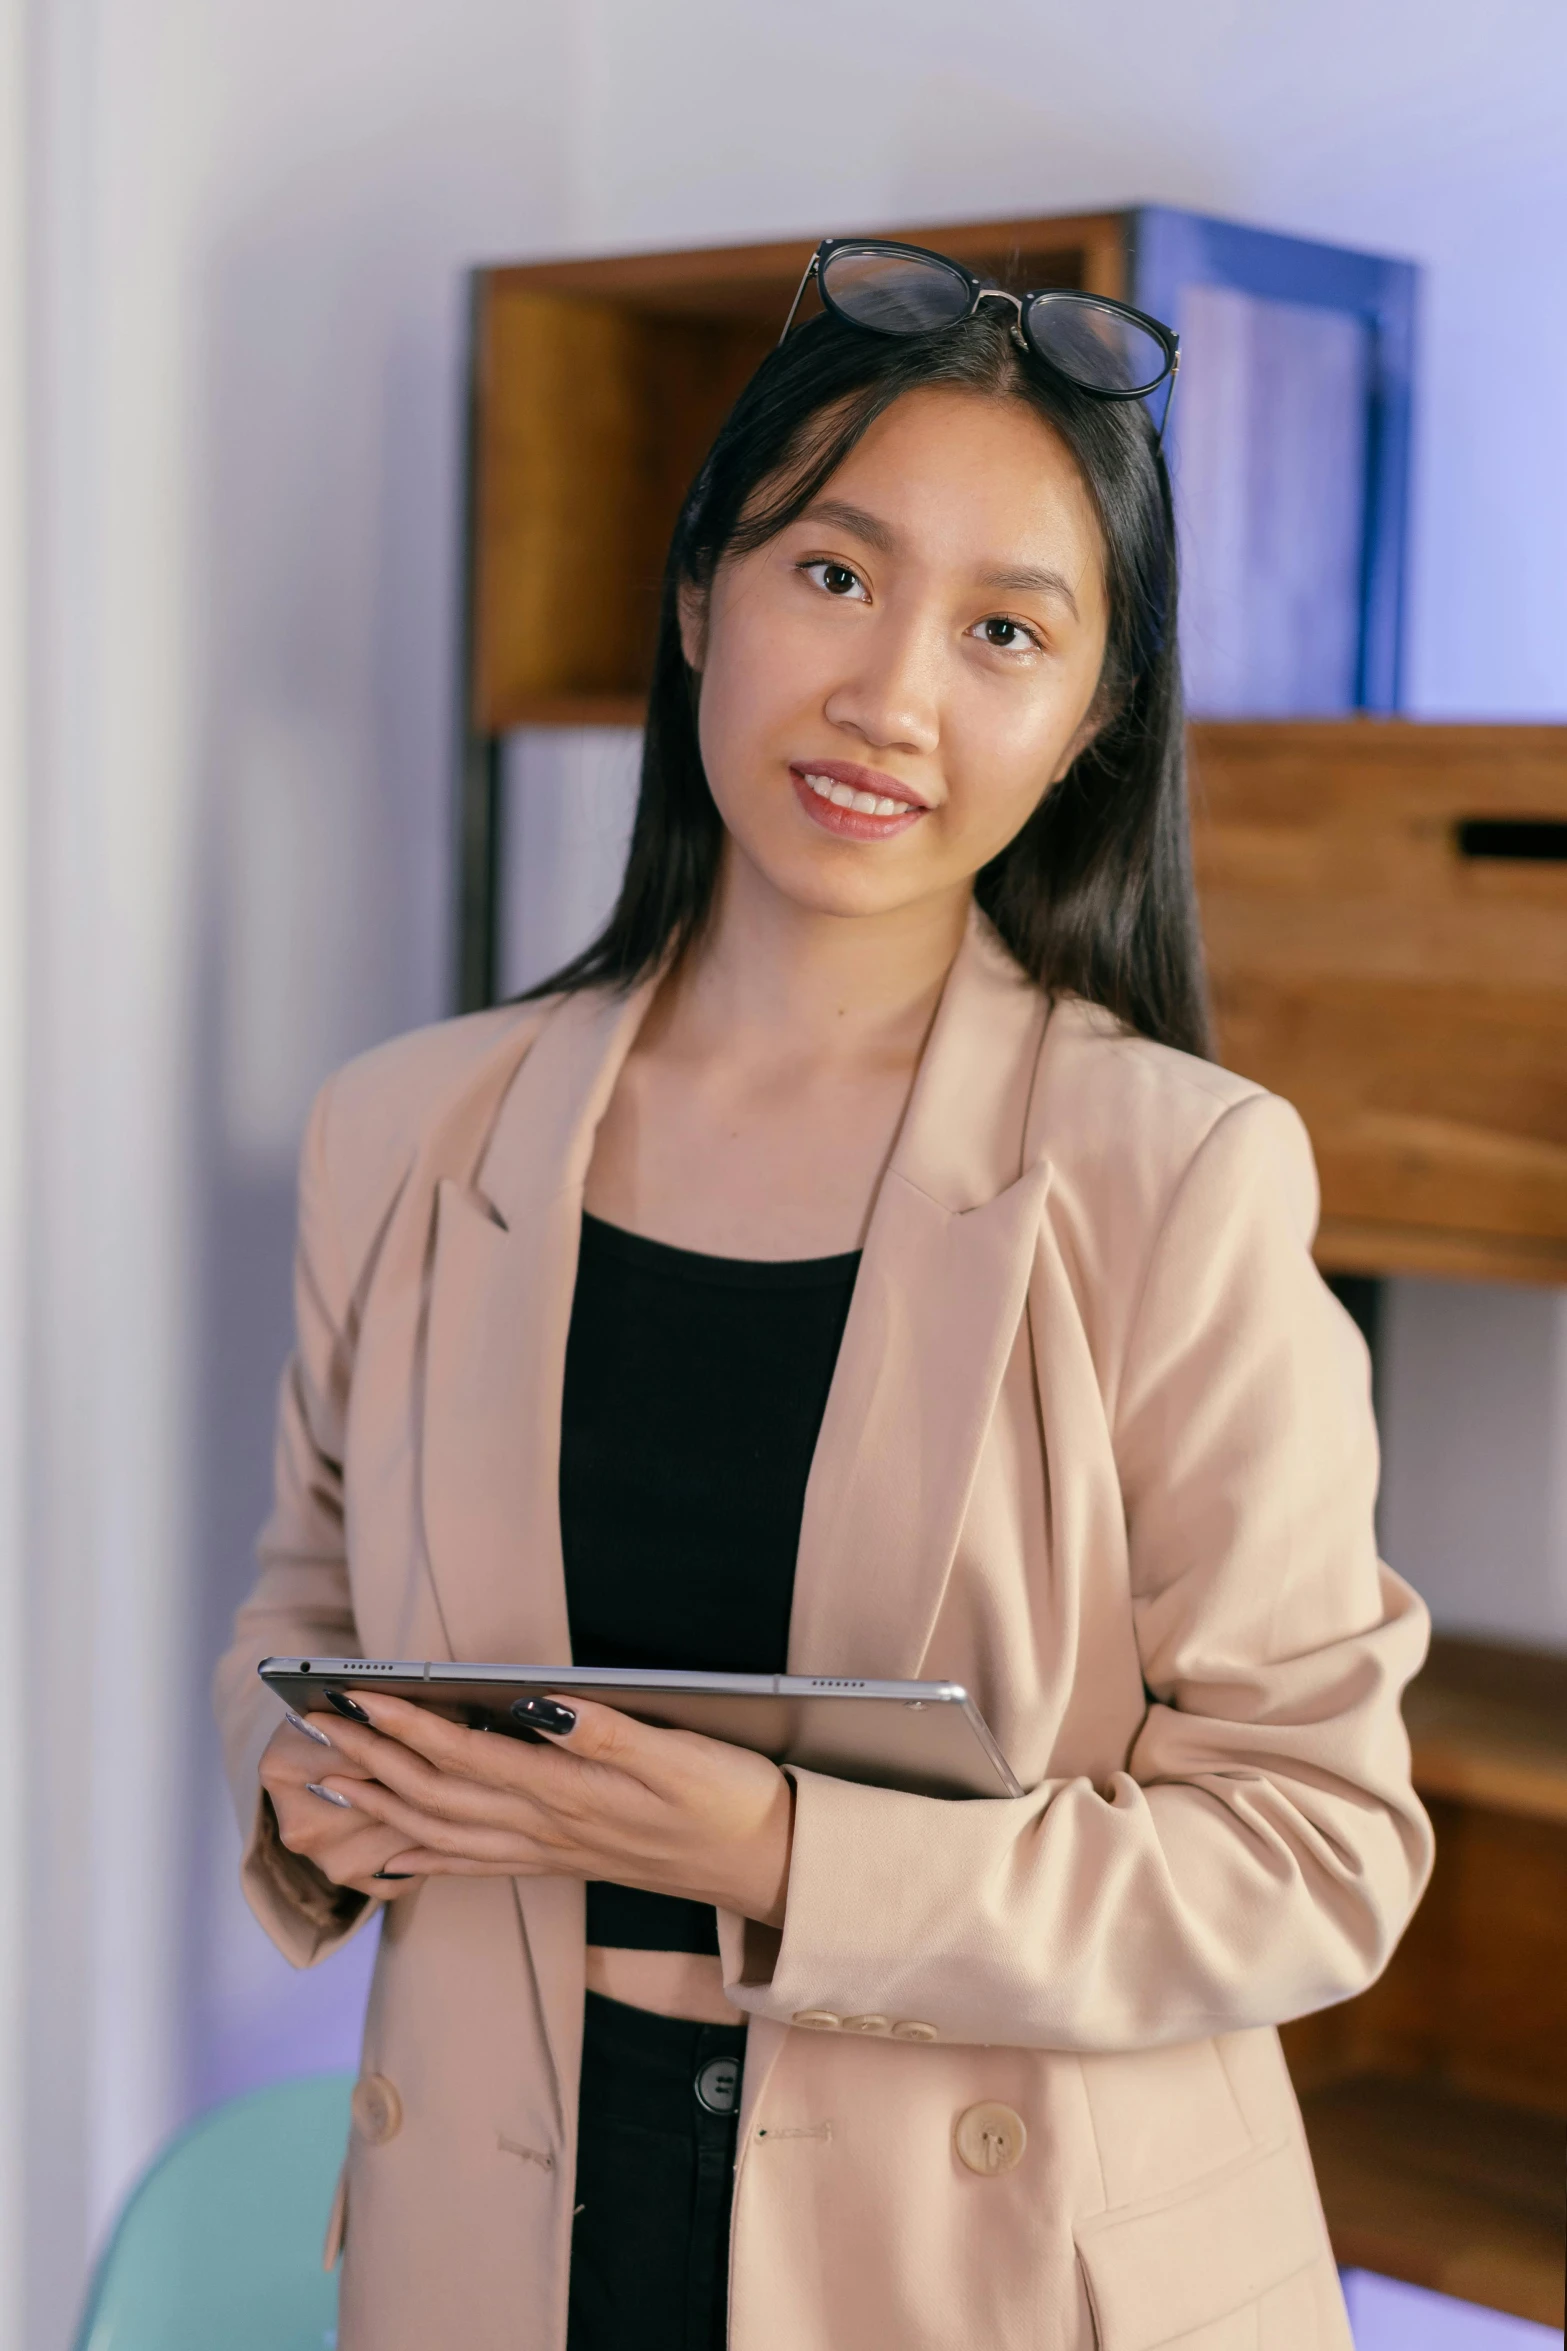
{"x":927,"y":1737}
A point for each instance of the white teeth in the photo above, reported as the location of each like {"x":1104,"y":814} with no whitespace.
{"x":844,"y":796}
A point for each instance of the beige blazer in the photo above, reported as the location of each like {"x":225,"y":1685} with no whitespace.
{"x":1098,"y":1445}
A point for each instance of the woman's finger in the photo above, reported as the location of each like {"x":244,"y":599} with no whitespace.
{"x":574,"y":1726}
{"x":662,"y":1761}
{"x":486,"y":1840}
{"x":448,"y":1748}
{"x":347,"y":1849}
{"x":598,"y":1734}
{"x":420,"y":1864}
{"x":446,"y":1795}
{"x":296,"y":1753}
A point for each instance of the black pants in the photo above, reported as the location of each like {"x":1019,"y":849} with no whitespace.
{"x":655,"y":2177}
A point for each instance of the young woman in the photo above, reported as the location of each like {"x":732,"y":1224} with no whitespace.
{"x":851,"y":1263}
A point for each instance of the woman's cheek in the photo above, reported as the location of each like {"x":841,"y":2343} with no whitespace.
{"x":990,"y":799}
{"x":742,"y":705}
{"x":1004,"y":766}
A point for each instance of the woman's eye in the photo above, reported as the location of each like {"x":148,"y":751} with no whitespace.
{"x":1007,"y":636}
{"x":836,"y":578}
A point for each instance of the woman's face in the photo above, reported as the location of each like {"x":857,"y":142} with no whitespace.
{"x":891,"y":685}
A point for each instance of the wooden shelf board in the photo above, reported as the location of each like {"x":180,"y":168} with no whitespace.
{"x":577,"y":710}
{"x":1488,"y":1726}
{"x":759,"y":280}
{"x":1363,"y":1245}
{"x":1461,"y":1754}
{"x":1445,"y":2191}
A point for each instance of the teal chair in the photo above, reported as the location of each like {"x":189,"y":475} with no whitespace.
{"x":219,"y":2245}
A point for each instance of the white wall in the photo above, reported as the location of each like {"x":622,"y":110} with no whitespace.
{"x":245,"y":230}
{"x":13,"y":1121}
{"x":569,"y":795}
{"x":1474,"y":1430}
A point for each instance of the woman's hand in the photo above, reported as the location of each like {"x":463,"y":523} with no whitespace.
{"x":604,"y":1797}
{"x":346,"y":1846}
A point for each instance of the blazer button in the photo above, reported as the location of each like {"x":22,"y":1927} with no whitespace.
{"x":911,"y":2029}
{"x":817,"y":2020}
{"x":990,"y":2138}
{"x":377,"y":2109}
{"x":867,"y":2024}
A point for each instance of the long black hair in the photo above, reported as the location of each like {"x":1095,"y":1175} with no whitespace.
{"x":1094,"y":895}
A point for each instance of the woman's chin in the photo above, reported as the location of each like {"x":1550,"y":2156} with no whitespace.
{"x":823,"y":887}
{"x":843,"y":879}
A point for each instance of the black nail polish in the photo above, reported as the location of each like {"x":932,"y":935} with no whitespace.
{"x":349,"y":1706}
{"x":403,"y":1874}
{"x":544,"y":1714}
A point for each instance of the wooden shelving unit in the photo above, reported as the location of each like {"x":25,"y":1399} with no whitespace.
{"x":1436,"y":2104}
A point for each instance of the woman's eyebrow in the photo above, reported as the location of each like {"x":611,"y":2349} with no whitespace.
{"x":1027,"y":580}
{"x":868,"y":527}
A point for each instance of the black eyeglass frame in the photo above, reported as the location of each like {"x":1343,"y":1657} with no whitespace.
{"x":1022,"y":305}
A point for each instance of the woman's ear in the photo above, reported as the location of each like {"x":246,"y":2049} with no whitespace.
{"x":1079,"y":744}
{"x":1095,"y":719}
{"x":692,"y":607}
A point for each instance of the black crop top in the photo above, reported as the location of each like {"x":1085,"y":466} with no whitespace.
{"x":695,"y":1388}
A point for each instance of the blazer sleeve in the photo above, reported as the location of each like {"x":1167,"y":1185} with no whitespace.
{"x":301,"y":1601}
{"x":1261,"y":1851}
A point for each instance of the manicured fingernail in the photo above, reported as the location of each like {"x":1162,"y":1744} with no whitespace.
{"x":308,"y":1728}
{"x":349,"y":1706}
{"x":392,"y":1873}
{"x":328,"y":1795}
{"x":545,"y":1714}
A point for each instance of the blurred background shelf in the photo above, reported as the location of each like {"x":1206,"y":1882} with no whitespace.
{"x":1458,"y":2194}
{"x":1436,"y":2104}
{"x":1384,"y":907}
{"x":1489,"y":1729}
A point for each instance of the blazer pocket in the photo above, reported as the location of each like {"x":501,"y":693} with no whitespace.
{"x":1190,"y":2258}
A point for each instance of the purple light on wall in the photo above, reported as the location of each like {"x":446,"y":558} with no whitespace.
{"x":1385,"y":2315}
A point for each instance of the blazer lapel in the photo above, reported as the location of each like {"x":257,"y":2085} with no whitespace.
{"x":505,"y":1264}
{"x":500,"y":1291}
{"x":936,"y":1310}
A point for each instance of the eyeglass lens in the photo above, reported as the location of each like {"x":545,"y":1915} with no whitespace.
{"x":894,"y":293}
{"x":917,"y":294}
{"x":1094,"y":345}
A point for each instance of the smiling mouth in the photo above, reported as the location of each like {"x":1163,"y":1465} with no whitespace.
{"x":843,"y":795}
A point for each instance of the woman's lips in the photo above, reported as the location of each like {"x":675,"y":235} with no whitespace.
{"x":814,"y":785}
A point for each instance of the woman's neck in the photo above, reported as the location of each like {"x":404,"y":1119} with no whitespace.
{"x":773,"y":977}
{"x":756,"y":1110}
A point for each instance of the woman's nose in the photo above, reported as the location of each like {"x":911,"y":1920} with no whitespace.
{"x":890,"y":699}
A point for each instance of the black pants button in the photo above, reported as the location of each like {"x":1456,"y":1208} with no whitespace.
{"x":717,"y":2085}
